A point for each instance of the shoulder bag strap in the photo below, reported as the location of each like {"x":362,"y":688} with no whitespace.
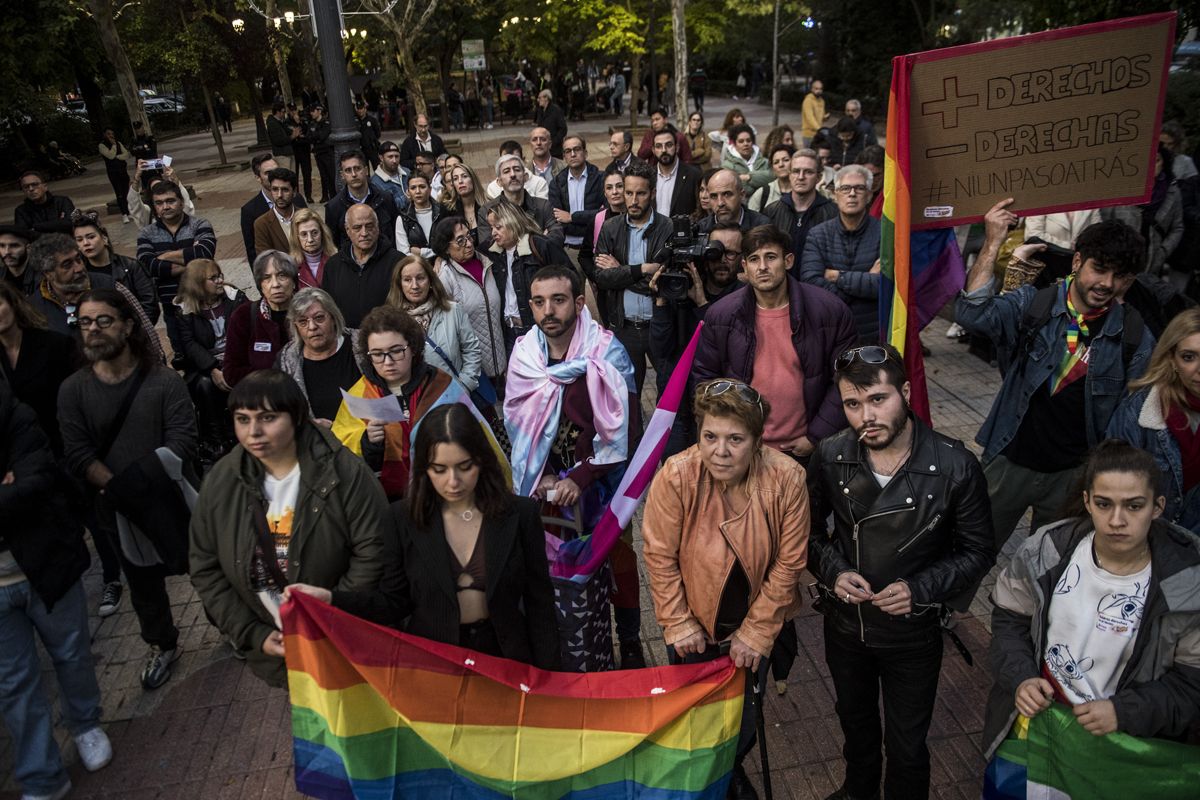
{"x":445,"y":357}
{"x":114,"y":430}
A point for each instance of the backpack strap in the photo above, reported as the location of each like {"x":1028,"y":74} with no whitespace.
{"x":1036,"y":315}
{"x":1131,"y":334}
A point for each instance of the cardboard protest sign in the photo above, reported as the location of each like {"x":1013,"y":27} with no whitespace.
{"x":1061,"y":120}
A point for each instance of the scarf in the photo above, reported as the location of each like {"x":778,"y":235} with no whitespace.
{"x":422,"y":313}
{"x":533,"y":402}
{"x":1077,"y":325}
{"x":1179,"y":423}
{"x":312,"y":272}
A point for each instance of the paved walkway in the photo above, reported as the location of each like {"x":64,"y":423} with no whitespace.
{"x":215,"y":731}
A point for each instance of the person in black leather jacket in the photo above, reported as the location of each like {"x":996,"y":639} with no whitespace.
{"x":911,"y":536}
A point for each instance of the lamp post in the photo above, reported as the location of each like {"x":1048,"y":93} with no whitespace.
{"x":333,"y":64}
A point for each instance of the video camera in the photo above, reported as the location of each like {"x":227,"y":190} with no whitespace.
{"x":686,"y":246}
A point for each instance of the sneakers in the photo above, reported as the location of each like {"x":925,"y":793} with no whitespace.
{"x":110,"y":598}
{"x":631,"y":655}
{"x":158,"y":668}
{"x":57,"y":794}
{"x":95,"y":751}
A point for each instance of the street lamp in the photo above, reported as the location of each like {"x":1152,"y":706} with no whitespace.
{"x":239,"y":25}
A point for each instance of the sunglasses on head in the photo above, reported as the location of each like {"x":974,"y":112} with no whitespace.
{"x":743,"y":390}
{"x":868,"y":354}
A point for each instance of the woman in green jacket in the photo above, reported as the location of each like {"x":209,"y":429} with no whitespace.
{"x":289,"y":504}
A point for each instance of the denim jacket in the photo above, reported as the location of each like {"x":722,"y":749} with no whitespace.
{"x":1139,"y":420}
{"x":984,"y":313}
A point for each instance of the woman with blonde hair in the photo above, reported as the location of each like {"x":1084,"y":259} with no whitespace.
{"x":518,"y":250}
{"x":465,"y":198}
{"x":1162,"y":416}
{"x":312,"y":245}
{"x":453,"y":346}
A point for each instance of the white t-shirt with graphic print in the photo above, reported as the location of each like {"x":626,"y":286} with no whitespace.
{"x":1094,"y":620}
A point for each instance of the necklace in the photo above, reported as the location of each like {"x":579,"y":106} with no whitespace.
{"x":894,"y":466}
{"x":468,"y":515}
{"x":1140,"y":560}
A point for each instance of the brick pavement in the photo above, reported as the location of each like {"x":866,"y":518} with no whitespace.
{"x":215,"y":731}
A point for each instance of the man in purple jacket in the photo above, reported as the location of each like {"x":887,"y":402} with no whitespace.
{"x":781,"y":337}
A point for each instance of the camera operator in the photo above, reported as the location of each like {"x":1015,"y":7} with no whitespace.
{"x":624,"y":265}
{"x":675,"y":320}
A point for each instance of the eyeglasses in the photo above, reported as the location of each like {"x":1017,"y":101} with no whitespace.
{"x":851,"y":189}
{"x":393,"y":354}
{"x":743,"y":390}
{"x":103,"y":321}
{"x":462,"y":241}
{"x":731,"y":255}
{"x":315,"y":321}
{"x":869,"y":354}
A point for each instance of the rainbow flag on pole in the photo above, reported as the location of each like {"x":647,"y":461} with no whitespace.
{"x":381,"y":714}
{"x":920,"y":271}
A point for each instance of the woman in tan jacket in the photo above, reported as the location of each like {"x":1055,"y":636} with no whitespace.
{"x":726,"y":536}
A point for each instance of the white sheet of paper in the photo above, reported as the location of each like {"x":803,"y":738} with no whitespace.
{"x":383,"y":409}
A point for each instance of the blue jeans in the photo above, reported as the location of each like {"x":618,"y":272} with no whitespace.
{"x":65,"y":635}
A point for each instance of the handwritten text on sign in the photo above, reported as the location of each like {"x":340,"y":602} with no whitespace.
{"x":1063,"y":120}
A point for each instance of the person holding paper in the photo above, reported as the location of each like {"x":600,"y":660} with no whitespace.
{"x":395,"y":346}
{"x":287,"y":504}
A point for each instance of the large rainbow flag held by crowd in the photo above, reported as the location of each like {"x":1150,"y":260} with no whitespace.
{"x":1052,"y":757}
{"x":920,"y":270}
{"x":380,"y":714}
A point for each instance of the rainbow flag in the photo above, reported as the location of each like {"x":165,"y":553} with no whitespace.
{"x":578,"y":559}
{"x":380,"y":714}
{"x":920,"y":271}
{"x":1052,"y":757}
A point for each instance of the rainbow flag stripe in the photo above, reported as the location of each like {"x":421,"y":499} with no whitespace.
{"x":381,"y":714}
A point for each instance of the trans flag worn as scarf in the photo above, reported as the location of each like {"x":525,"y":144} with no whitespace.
{"x":535,"y":390}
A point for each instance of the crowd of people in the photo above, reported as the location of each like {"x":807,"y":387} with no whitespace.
{"x":431,"y":365}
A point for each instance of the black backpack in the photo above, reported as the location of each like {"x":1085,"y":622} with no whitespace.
{"x":1037,"y":314}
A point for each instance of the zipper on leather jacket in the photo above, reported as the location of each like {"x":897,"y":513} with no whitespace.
{"x":862,"y":628}
{"x":912,"y":540}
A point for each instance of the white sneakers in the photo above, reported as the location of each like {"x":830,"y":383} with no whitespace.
{"x":95,"y":751}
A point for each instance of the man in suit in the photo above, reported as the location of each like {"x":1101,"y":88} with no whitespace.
{"x":548,"y":115}
{"x":423,"y":141}
{"x":273,"y":230}
{"x":281,"y":133}
{"x":262,"y":202}
{"x":575,"y":191}
{"x":678,"y":187}
{"x":620,"y":147}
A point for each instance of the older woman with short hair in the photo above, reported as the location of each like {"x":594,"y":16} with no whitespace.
{"x":726,"y":536}
{"x":324,"y":357}
{"x":312,"y":245}
{"x":453,"y":346}
{"x":258,"y":331}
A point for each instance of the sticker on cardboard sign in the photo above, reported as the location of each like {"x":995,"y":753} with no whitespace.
{"x":939,"y":212}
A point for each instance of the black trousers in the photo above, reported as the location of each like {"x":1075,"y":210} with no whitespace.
{"x":118,"y":176}
{"x":304,"y":167}
{"x":147,"y":588}
{"x":908,"y":677}
{"x":636,"y":339}
{"x":328,"y":181}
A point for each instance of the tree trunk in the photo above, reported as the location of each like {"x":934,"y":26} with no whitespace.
{"x":260,"y":127}
{"x":127,"y":82}
{"x":93,"y":101}
{"x":273,"y":37}
{"x":412,"y":79}
{"x":310,"y":52}
{"x":214,"y":123}
{"x":775,"y":68}
{"x":679,"y":33}
{"x":635,"y":89}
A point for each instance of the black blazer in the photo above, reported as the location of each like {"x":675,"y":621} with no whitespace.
{"x":593,"y":197}
{"x":686,"y":197}
{"x":252,"y":210}
{"x":46,"y":359}
{"x":416,"y":593}
{"x":409,"y":149}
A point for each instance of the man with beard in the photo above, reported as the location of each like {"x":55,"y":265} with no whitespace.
{"x":358,"y":191}
{"x":625,"y":263}
{"x":511,"y":176}
{"x":911,"y":536}
{"x":391,"y":176}
{"x":14,"y":252}
{"x":1067,"y":352}
{"x":673,"y":324}
{"x":273,"y":230}
{"x":124,"y":382}
{"x":781,"y":337}
{"x":42,"y":210}
{"x":542,"y":164}
{"x":726,"y":204}
{"x":660,"y":122}
{"x":262,"y":202}
{"x":573,"y":419}
{"x":802,"y":208}
{"x":359,"y":276}
{"x":678,"y":186}
{"x":65,"y":279}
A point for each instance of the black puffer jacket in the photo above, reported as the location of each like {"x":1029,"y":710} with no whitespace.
{"x":930,"y":526}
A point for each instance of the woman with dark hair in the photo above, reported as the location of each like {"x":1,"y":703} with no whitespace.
{"x":471,"y":282}
{"x":1162,"y":416}
{"x":35,"y":360}
{"x":1100,"y":612}
{"x":395,"y":346}
{"x":287,"y":504}
{"x":465,"y":561}
{"x":453,"y":346}
{"x":258,"y":331}
{"x":94,"y":243}
{"x":206,"y":305}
